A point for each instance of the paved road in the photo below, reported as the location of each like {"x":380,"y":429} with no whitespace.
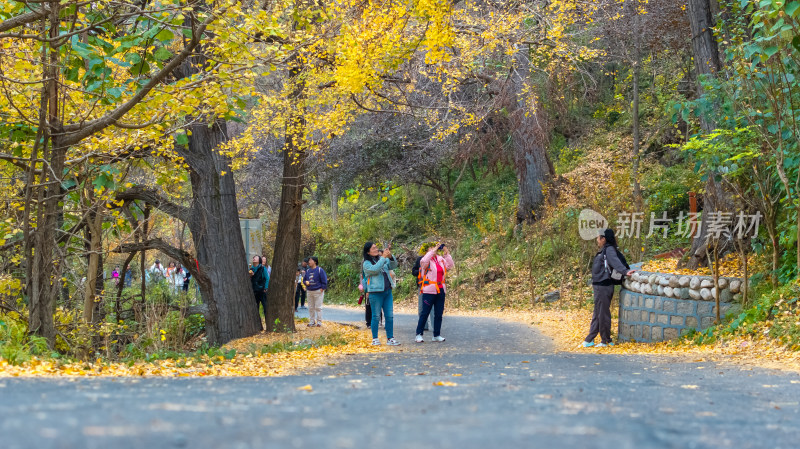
{"x":513,"y":391}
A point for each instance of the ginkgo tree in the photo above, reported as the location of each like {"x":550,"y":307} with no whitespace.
{"x":84,"y":81}
{"x":413,"y":59}
{"x":108,"y":83}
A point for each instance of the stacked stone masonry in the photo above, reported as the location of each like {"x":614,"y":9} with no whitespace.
{"x":656,"y":306}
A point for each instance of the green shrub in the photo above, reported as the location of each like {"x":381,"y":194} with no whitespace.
{"x":16,"y":346}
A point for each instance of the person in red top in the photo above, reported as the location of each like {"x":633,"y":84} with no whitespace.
{"x":433,"y":271}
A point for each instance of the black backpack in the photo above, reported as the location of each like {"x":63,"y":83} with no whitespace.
{"x":415,"y":268}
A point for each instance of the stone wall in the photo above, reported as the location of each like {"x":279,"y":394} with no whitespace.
{"x":657,"y":306}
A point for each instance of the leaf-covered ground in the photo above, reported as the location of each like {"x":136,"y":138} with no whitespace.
{"x":729,"y":266}
{"x":569,"y":327}
{"x":248,"y":361}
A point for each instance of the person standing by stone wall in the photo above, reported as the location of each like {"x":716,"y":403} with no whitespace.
{"x":608,"y":269}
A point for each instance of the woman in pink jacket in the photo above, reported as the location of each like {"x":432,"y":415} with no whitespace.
{"x":433,"y":270}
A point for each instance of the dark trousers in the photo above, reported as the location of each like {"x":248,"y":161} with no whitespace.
{"x":601,"y":316}
{"x":299,"y":296}
{"x":435,"y":302}
{"x":261,"y":300}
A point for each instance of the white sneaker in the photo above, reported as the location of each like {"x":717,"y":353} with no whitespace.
{"x":392,"y":342}
{"x":439,"y":338}
{"x":376,"y":342}
{"x":600,"y":345}
{"x":418,"y":338}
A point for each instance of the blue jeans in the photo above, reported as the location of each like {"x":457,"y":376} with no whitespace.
{"x":430,"y":302}
{"x":382,"y":301}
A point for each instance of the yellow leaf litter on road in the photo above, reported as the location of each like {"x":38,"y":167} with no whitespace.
{"x":568,"y":327}
{"x":243,"y":364}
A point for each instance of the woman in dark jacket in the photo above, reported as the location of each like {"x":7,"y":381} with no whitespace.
{"x":607,"y":259}
{"x":258,"y":280}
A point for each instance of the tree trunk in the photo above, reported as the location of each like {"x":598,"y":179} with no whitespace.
{"x":528,"y":137}
{"x":94,"y":270}
{"x":137,"y":309}
{"x":280,"y":295}
{"x":706,"y":62}
{"x":220,"y":261}
{"x":46,"y":270}
{"x":121,"y":287}
{"x":334,"y":193}
{"x":638,"y":201}
{"x":704,"y":43}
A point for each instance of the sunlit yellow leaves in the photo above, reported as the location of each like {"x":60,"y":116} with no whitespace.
{"x":306,"y":388}
{"x":444,"y":383}
{"x":245,"y":363}
{"x":729,"y":266}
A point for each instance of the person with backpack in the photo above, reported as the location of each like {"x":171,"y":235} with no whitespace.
{"x":258,"y":280}
{"x":609,"y":268}
{"x":432,"y":273}
{"x":415,"y":272}
{"x":375,"y":275}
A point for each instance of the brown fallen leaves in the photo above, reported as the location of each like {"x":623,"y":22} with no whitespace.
{"x":243,"y":364}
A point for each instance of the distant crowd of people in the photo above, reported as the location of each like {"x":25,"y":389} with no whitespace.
{"x":176,"y":277}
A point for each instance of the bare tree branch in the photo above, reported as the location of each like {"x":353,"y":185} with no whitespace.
{"x":151,"y":196}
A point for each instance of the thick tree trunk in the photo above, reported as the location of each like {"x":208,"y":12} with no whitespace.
{"x":280,"y":295}
{"x":220,"y":268}
{"x":704,"y":44}
{"x":529,"y":138}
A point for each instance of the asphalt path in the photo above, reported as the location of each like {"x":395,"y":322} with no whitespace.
{"x":504,"y":386}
